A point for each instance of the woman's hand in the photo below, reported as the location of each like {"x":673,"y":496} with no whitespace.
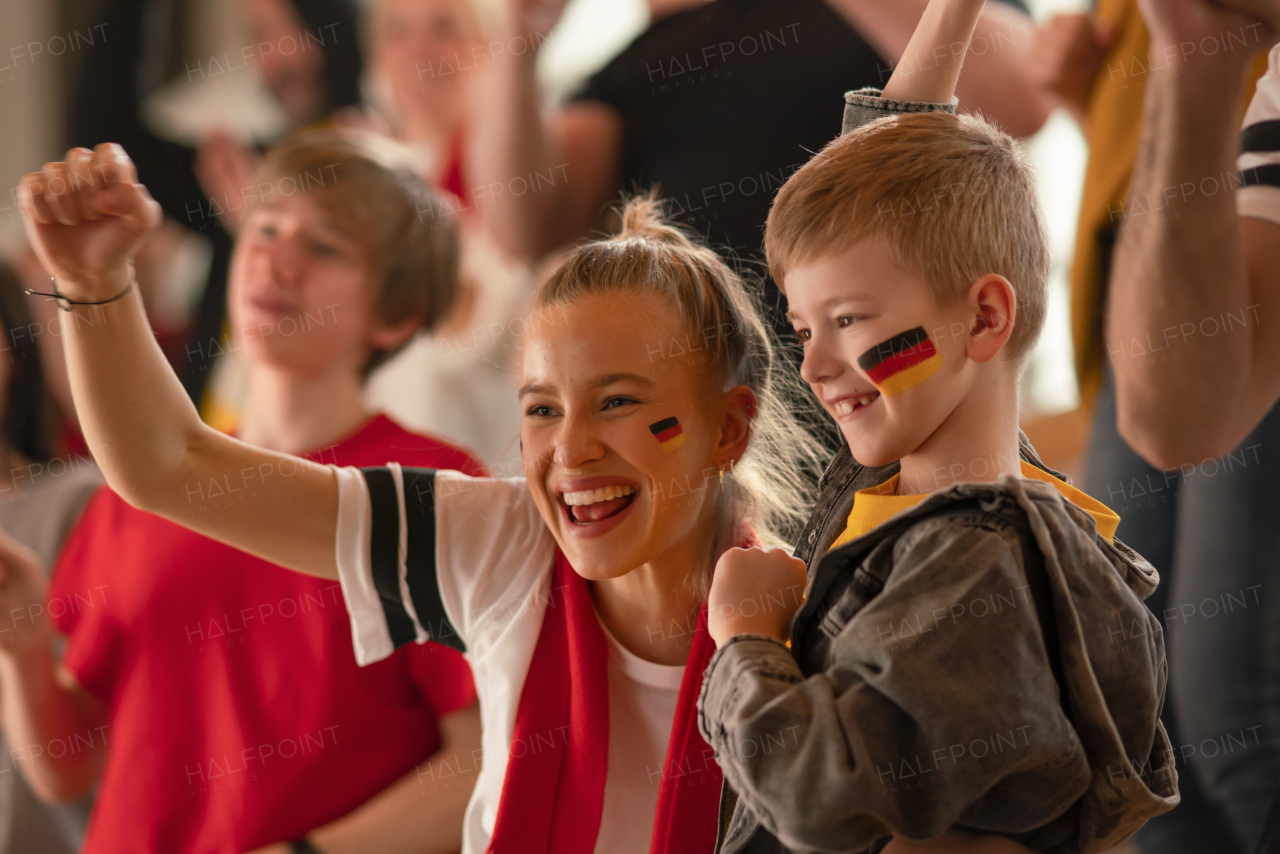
{"x":755,"y":591}
{"x":85,"y":217}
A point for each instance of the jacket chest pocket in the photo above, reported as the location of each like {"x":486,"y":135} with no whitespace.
{"x":833,"y":613}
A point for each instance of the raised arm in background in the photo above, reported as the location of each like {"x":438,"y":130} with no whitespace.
{"x":996,"y":81}
{"x":515,"y":136}
{"x":1185,"y":257}
{"x":946,"y":25}
{"x":85,"y":218}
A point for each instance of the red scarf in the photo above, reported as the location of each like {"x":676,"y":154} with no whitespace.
{"x":553,"y":793}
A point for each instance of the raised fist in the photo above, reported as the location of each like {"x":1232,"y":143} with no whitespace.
{"x":86,"y":217}
{"x":755,"y":591}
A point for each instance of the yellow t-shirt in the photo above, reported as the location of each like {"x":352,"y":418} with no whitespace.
{"x":876,"y":504}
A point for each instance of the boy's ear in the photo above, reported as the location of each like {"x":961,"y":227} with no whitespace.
{"x":388,"y":337}
{"x":735,"y":429}
{"x":994,"y":308}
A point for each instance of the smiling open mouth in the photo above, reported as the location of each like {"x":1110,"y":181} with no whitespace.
{"x":596,"y":505}
{"x":849,"y":404}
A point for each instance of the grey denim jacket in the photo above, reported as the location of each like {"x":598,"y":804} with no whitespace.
{"x":982,"y":660}
{"x":923,"y":689}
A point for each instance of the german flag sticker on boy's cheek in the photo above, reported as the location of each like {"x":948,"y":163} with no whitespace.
{"x":668,"y":432}
{"x":901,"y":362}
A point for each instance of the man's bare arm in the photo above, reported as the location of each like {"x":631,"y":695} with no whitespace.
{"x":1190,"y":321}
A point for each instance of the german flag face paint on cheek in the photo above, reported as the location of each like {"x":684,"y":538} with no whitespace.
{"x":901,"y":362}
{"x":669,"y":433}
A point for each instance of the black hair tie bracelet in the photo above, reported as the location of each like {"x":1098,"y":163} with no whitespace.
{"x":66,"y":304}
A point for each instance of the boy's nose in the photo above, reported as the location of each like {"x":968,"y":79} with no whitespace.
{"x":286,"y":259}
{"x":819,"y":363}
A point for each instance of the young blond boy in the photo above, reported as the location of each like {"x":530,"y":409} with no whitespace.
{"x":972,"y":655}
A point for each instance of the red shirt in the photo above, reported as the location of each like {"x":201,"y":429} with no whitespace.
{"x":238,"y":715}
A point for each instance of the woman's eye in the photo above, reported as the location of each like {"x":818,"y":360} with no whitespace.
{"x":539,"y":411}
{"x":267,"y":230}
{"x":617,"y":402}
{"x":324,"y":249}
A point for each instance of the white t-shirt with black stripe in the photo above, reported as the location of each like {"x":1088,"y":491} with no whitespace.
{"x":425,"y":555}
{"x":1259,"y":193}
{"x":467,"y":562}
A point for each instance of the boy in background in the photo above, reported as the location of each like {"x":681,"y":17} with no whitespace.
{"x":229,"y":712}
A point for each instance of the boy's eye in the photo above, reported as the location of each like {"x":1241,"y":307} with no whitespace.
{"x":325,"y":249}
{"x":618,"y":402}
{"x":846,"y":320}
{"x":802,"y":334}
{"x":267,"y":230}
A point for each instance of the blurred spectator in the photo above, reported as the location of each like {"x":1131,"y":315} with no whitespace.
{"x":1097,"y":64}
{"x":717,"y":103}
{"x":1201,"y":526}
{"x":455,"y":380}
{"x":218,"y":744}
{"x":41,"y":497}
{"x":201,"y":189}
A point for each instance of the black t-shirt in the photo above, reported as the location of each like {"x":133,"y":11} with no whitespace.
{"x":721,"y":103}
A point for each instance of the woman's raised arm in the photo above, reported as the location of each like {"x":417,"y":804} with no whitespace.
{"x":86,"y":217}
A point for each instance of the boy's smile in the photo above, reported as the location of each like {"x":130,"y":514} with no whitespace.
{"x":850,"y":406}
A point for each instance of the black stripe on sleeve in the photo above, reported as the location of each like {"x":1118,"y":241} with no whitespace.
{"x":1261,"y":138}
{"x":1261,"y":176}
{"x":384,"y":554}
{"x":420,"y":563}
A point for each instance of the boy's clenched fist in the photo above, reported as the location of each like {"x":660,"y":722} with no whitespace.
{"x":755,"y":591}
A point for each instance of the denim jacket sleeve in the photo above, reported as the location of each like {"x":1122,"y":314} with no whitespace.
{"x":866,"y":105}
{"x":938,"y":699}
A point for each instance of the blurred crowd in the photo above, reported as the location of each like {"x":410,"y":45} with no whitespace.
{"x":715,"y":104}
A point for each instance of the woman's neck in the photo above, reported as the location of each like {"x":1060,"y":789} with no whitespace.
{"x":292,"y":414}
{"x":652,"y":610}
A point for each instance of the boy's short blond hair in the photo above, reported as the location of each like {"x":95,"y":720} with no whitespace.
{"x":951,"y":198}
